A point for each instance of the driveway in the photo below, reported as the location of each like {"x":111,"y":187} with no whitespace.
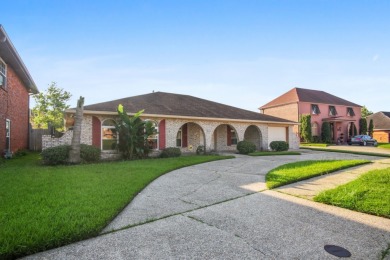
{"x":356,"y":148}
{"x":215,"y":211}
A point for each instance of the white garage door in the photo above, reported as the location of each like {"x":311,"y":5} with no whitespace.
{"x":276,"y":134}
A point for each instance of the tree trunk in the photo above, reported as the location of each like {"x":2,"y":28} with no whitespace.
{"x":74,"y":154}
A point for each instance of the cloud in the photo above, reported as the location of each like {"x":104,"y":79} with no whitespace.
{"x":375,"y":58}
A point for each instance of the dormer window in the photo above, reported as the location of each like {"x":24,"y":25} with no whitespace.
{"x":350,"y":111}
{"x":332,"y":111}
{"x":315,"y":110}
{"x":3,"y":74}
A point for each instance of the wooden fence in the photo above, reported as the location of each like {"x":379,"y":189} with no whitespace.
{"x":36,"y":138}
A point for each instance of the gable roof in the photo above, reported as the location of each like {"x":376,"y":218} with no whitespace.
{"x":168,"y":104}
{"x":381,"y":120}
{"x":307,"y":95}
{"x":11,"y":57}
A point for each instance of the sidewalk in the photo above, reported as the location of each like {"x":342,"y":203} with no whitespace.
{"x":310,"y":188}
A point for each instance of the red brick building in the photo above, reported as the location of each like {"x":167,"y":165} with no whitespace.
{"x":381,"y":122}
{"x":16,"y":85}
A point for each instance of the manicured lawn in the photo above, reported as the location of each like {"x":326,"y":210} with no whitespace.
{"x":45,"y":207}
{"x":370,"y":193}
{"x":384,"y":145}
{"x":297,"y":171}
{"x":273,"y":153}
{"x":346,"y":151}
{"x":315,"y":144}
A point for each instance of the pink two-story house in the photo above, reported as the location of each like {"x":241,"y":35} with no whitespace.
{"x":322,"y":106}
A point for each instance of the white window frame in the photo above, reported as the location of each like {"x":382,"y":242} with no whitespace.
{"x":233,"y":136}
{"x":8,"y":134}
{"x":349,"y":110}
{"x":101,"y":135}
{"x":3,"y":73}
{"x":181,"y":137}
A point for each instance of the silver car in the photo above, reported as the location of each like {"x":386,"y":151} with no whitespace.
{"x":363,"y":140}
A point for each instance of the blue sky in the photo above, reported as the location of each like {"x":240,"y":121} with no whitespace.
{"x":241,"y":53}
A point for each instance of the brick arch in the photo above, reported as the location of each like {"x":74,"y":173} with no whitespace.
{"x":191,"y":136}
{"x":253,"y":134}
{"x":222,"y":137}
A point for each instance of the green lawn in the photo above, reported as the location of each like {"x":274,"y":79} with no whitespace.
{"x":315,"y":144}
{"x":347,"y":151}
{"x":273,"y":153}
{"x":293,"y":172}
{"x":384,"y":145}
{"x":370,"y":193}
{"x":44,"y":207}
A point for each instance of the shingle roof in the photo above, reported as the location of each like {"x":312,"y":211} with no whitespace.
{"x":161,"y":103}
{"x":381,"y":120}
{"x":308,"y":95}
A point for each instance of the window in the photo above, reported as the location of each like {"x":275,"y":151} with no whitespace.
{"x":332,"y":111}
{"x":8,"y":135}
{"x":233,"y":136}
{"x":3,"y":74}
{"x":178,"y":138}
{"x":350,"y":111}
{"x":109,"y":135}
{"x":153,"y":139}
{"x":315,"y":110}
{"x":314,"y":129}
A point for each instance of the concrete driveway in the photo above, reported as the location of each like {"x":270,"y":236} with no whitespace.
{"x":222,"y":210}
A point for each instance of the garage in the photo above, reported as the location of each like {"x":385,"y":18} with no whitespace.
{"x":277,"y":133}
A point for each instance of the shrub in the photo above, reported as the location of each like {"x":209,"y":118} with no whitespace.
{"x":20,"y":153}
{"x":325,"y":132}
{"x":60,"y":154}
{"x":305,"y":128}
{"x":279,"y":146}
{"x":56,"y":155}
{"x":245,"y":147}
{"x":89,"y":153}
{"x":200,"y":149}
{"x":170,"y":152}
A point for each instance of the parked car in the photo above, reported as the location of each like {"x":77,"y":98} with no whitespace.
{"x":363,"y":140}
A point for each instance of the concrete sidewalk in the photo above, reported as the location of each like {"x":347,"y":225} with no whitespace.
{"x":214,"y":211}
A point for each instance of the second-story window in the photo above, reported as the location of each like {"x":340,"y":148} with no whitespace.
{"x":350,"y":111}
{"x":332,"y":111}
{"x":315,"y":110}
{"x":3,"y":75}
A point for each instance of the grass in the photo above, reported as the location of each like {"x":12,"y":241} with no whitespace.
{"x":44,"y":207}
{"x":370,"y":193}
{"x":346,"y":151}
{"x":274,"y":153}
{"x":384,"y":145}
{"x":297,"y":171}
{"x":315,"y":144}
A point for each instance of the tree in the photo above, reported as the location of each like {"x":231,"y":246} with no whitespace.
{"x":133,"y":134}
{"x":74,"y":153}
{"x":325,"y":132}
{"x":371,"y":128}
{"x":365,"y":112}
{"x":305,"y":128}
{"x":50,"y":107}
{"x":362,"y":126}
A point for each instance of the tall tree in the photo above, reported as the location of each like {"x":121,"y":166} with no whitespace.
{"x":50,"y":106}
{"x":371,"y":128}
{"x":365,"y":112}
{"x":362,"y":126}
{"x":133,"y":134}
{"x":305,"y":130}
{"x":74,"y":153}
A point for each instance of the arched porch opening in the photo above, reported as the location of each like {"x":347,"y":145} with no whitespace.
{"x":225,"y":138}
{"x":253,"y":135}
{"x":190,"y":136}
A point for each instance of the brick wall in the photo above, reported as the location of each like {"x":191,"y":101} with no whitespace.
{"x":289,"y":112}
{"x":14,"y":105}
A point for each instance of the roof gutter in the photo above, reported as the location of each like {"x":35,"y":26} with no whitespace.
{"x":90,"y":112}
{"x":11,"y":56}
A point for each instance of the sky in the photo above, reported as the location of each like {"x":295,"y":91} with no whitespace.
{"x":242,"y":53}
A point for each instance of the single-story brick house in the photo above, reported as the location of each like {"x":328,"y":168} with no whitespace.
{"x":322,"y":106}
{"x":182,"y":121}
{"x":16,"y":85}
{"x":381,"y":122}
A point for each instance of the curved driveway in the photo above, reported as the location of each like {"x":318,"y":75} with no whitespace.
{"x":215,"y":211}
